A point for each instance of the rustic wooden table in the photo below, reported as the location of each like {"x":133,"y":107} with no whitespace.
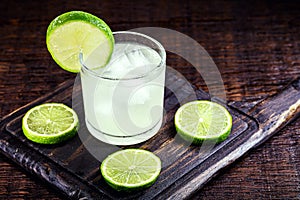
{"x":255,"y":44}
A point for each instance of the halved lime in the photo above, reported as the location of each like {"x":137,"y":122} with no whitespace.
{"x":77,"y":32}
{"x":131,"y":169}
{"x":201,"y":120}
{"x":50,"y":123}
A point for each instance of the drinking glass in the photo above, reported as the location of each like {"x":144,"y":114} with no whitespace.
{"x":123,"y":100}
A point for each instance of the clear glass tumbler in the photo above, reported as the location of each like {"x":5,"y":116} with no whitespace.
{"x":123,"y":101}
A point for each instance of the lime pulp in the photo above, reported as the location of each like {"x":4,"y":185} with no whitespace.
{"x":50,"y":123}
{"x":131,"y":169}
{"x":77,"y":32}
{"x":202,"y":120}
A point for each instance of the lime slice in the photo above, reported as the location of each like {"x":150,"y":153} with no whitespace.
{"x":77,"y":32}
{"x":197,"y":121}
{"x":131,"y":169}
{"x":50,"y":123}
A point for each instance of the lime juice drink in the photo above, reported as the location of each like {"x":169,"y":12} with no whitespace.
{"x":123,"y":100}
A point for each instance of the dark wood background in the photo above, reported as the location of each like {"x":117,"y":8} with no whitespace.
{"x":255,"y":44}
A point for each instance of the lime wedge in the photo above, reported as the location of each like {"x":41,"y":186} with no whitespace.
{"x":50,"y":123}
{"x":197,"y":121}
{"x":131,"y":169}
{"x":77,"y":32}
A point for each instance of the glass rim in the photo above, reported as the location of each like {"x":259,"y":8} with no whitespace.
{"x":162,"y":62}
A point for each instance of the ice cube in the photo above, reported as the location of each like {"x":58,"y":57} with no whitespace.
{"x":130,"y":61}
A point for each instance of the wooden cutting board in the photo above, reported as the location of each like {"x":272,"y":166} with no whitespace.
{"x":71,"y":168}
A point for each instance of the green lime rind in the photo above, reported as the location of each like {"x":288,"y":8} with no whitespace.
{"x":77,"y":16}
{"x":198,"y":138}
{"x":129,"y":188}
{"x":49,"y":137}
{"x":106,"y":169}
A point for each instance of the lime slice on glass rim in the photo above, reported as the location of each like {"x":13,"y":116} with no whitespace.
{"x":202,"y":120}
{"x":131,"y":169}
{"x":50,"y":123}
{"x":77,"y":32}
